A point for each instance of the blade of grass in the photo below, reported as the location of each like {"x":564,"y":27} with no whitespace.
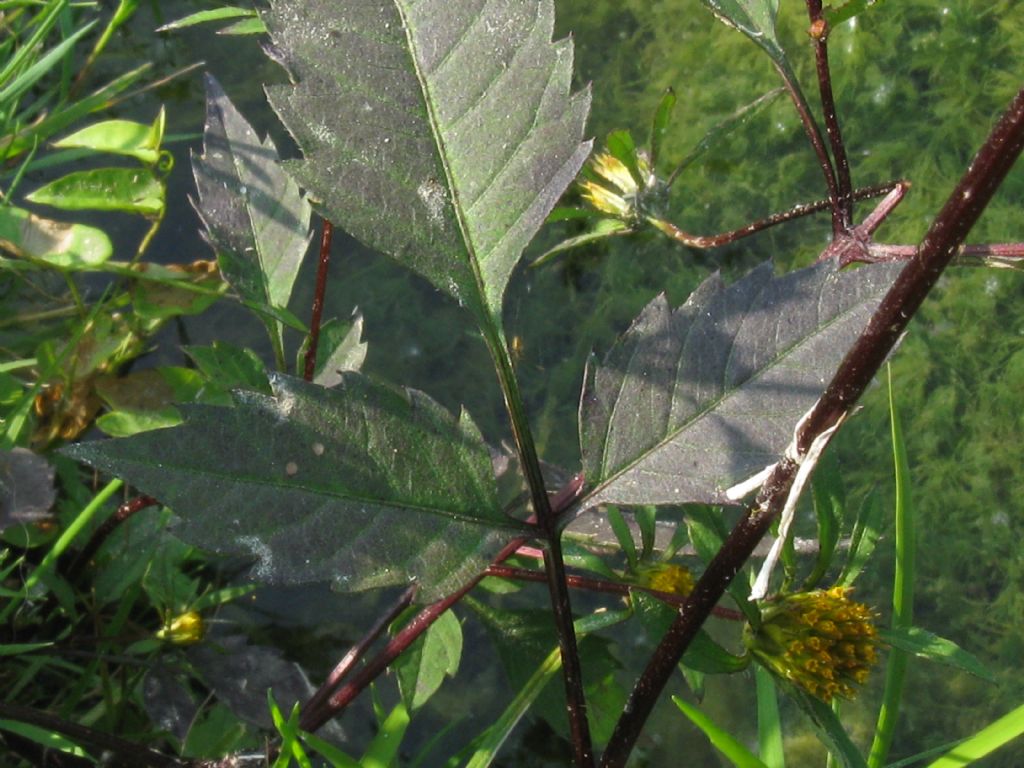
{"x":383,"y":750}
{"x":902,"y":592}
{"x":1000,"y":733}
{"x":621,"y":530}
{"x":722,"y":740}
{"x":493,"y":738}
{"x":769,"y":724}
{"x":43,"y":22}
{"x":31,"y":76}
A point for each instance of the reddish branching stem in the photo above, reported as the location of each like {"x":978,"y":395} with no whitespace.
{"x":803,"y":209}
{"x":343,"y":695}
{"x":819,"y":34}
{"x":332,"y":698}
{"x":318,"y":300}
{"x":940,"y":245}
{"x":311,"y":710}
{"x":817,"y":142}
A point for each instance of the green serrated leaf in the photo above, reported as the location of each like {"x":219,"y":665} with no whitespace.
{"x":227,"y":367}
{"x":341,"y":348}
{"x":926,"y":645}
{"x":254,"y":215}
{"x":362,"y":485}
{"x":130,"y":190}
{"x":692,"y":402}
{"x":120,"y":137}
{"x":57,"y":243}
{"x":458,"y":115}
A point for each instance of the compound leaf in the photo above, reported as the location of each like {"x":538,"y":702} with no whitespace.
{"x":690,"y":402}
{"x":440,"y":132}
{"x":363,"y":485}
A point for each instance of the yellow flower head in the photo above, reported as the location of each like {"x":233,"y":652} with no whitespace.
{"x":606,"y":201}
{"x":666,"y":577}
{"x":614,"y":171}
{"x":616,"y":192}
{"x":185,"y":629}
{"x":821,"y":641}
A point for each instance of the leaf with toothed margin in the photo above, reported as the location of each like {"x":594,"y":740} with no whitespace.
{"x":440,"y":132}
{"x":255,"y":217}
{"x":691,"y":402}
{"x":360,"y":484}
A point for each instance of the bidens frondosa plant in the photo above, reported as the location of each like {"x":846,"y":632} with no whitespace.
{"x":822,"y":641}
{"x":443,"y":135}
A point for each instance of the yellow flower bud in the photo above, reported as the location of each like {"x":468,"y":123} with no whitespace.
{"x":185,"y":629}
{"x":666,"y":577}
{"x":821,"y":641}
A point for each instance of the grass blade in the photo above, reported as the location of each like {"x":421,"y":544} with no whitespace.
{"x":902,"y":593}
{"x":769,"y":724}
{"x":722,"y":740}
{"x":1004,"y":730}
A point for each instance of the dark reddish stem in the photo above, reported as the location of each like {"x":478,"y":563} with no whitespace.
{"x":313,"y":717}
{"x":109,"y":525}
{"x":817,"y":142}
{"x":311,"y":709}
{"x":819,"y":33}
{"x":318,"y":300}
{"x":941,"y":243}
{"x":342,"y":696}
{"x":803,"y":209}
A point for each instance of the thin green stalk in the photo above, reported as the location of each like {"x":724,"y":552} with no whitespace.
{"x":769,"y":724}
{"x":63,"y":542}
{"x":148,"y":237}
{"x":125,"y":9}
{"x":902,"y":593}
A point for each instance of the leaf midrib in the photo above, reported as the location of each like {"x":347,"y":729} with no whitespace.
{"x":238,"y":478}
